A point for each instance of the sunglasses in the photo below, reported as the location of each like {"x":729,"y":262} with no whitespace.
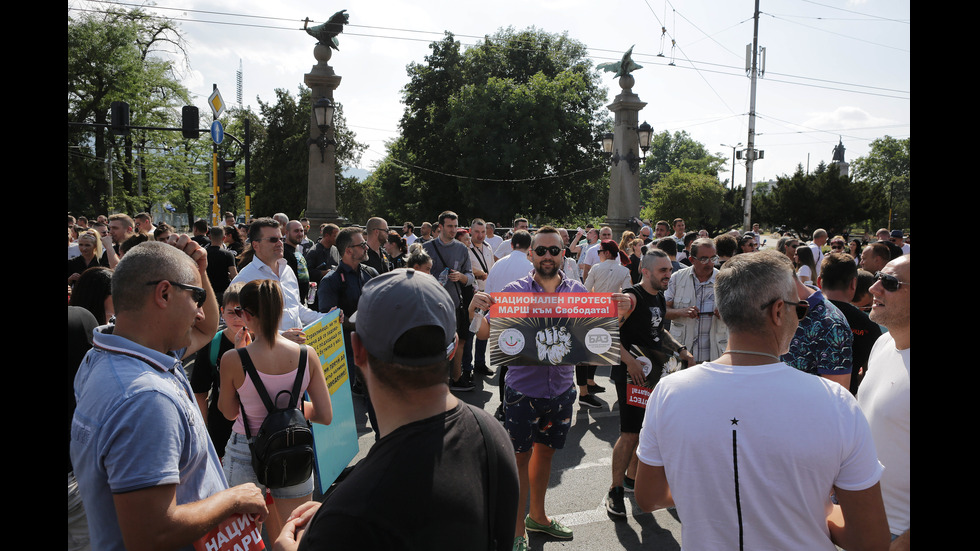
{"x":706,"y":259}
{"x":889,"y":282}
{"x":271,"y":239}
{"x":837,"y":246}
{"x":198,"y":294}
{"x":555,"y":251}
{"x":802,"y":306}
{"x":238,"y":311}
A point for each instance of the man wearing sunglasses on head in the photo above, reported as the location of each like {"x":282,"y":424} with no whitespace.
{"x":267,"y":242}
{"x":885,"y":395}
{"x":748,"y":449}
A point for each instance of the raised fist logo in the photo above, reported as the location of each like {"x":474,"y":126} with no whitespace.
{"x":553,"y":344}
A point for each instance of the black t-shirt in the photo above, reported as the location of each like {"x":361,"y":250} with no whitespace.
{"x":424,"y":486}
{"x":865,"y":332}
{"x":205,"y":378}
{"x":219,"y":260}
{"x":641,"y":332}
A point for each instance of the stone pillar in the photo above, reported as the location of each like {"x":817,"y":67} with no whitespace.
{"x":321,"y":194}
{"x":624,"y":184}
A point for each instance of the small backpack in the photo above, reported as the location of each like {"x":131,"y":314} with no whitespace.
{"x":282,"y":450}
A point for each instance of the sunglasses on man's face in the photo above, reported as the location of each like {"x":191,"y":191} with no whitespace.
{"x":272,"y":239}
{"x":802,"y":306}
{"x":540,"y":250}
{"x":198,"y":294}
{"x":889,"y":282}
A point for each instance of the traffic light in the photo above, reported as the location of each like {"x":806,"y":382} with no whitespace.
{"x":226,"y":175}
{"x":119,"y":117}
{"x":190,"y":122}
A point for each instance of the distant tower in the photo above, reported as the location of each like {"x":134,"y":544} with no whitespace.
{"x":839,"y":157}
{"x":238,"y":83}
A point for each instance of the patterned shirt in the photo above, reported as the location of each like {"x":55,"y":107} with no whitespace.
{"x":822,"y":344}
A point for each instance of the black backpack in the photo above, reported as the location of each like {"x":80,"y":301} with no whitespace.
{"x":282,"y":451}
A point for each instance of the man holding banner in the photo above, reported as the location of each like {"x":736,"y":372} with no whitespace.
{"x":644,"y":349}
{"x":540,"y":397}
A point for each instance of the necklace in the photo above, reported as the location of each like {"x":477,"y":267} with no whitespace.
{"x":752,"y":352}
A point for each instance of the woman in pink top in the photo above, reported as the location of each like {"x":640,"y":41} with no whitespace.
{"x":276,"y":359}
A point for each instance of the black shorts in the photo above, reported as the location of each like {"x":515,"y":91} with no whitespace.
{"x":630,"y":417}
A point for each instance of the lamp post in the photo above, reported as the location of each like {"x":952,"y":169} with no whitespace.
{"x":323,"y":110}
{"x":734,"y":147}
{"x":621,"y":145}
{"x":321,"y":194}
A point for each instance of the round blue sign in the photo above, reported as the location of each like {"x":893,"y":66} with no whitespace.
{"x":217,"y":132}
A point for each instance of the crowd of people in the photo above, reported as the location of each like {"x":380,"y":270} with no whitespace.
{"x":780,"y":335}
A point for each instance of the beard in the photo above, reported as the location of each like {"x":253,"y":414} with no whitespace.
{"x":547,"y":269}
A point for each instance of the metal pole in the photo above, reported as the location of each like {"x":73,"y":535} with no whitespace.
{"x":750,"y":157}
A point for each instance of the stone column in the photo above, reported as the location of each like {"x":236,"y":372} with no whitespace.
{"x":624,"y":184}
{"x":321,"y":194}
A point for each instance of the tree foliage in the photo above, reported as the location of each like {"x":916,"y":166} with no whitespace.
{"x":805,"y":202}
{"x":507,"y":126}
{"x":280,"y":157}
{"x":697,"y":198}
{"x":121,"y":55}
{"x":677,"y":151}
{"x":888,"y":170}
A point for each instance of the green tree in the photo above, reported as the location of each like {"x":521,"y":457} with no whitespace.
{"x":697,"y":198}
{"x":117,"y":55}
{"x":887,"y":169}
{"x":677,"y":151}
{"x":280,"y":158}
{"x":506,"y":126}
{"x":805,"y":202}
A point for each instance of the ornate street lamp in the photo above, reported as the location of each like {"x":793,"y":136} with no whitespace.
{"x":643,"y":133}
{"x":323,"y":110}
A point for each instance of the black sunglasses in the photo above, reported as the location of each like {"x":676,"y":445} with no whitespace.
{"x":271,"y":239}
{"x":802,"y":307}
{"x":889,"y":282}
{"x":238,"y":311}
{"x":198,"y":294}
{"x":540,"y":250}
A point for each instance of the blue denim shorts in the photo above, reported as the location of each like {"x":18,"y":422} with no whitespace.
{"x":237,"y":465}
{"x":542,"y":420}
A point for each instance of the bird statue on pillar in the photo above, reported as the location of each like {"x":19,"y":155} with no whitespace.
{"x":623,"y":67}
{"x":326,"y":33}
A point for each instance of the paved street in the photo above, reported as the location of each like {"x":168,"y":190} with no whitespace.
{"x":579,"y":479}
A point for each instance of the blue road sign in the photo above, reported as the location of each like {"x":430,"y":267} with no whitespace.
{"x":217,"y":132}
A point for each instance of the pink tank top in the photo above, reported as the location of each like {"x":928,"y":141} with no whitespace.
{"x":254,"y":408}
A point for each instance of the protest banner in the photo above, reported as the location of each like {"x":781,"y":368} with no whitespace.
{"x":656,"y":365}
{"x":553,"y":329}
{"x":336,"y":443}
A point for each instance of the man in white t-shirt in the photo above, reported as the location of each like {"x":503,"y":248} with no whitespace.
{"x":886,"y":391}
{"x":505,"y":248}
{"x":819,"y":240}
{"x":590,"y":256}
{"x":750,"y":449}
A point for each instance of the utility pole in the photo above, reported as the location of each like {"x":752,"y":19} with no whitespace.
{"x":751,"y":154}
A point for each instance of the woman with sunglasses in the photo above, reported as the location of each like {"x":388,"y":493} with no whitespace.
{"x":276,"y":359}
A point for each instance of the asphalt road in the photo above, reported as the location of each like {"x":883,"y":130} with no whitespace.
{"x":580,"y":478}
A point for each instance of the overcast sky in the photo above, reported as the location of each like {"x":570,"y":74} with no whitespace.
{"x":834,"y":68}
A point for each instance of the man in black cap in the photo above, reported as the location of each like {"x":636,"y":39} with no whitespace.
{"x":443,"y":474}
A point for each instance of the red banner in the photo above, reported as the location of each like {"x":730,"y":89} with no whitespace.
{"x":553,"y":305}
{"x":637,"y":395}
